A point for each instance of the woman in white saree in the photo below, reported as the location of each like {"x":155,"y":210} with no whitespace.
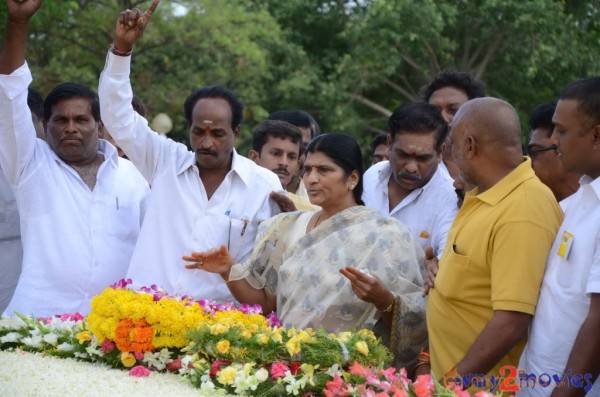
{"x":341,"y":268}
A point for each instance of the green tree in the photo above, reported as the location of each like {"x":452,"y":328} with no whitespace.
{"x":525,"y":51}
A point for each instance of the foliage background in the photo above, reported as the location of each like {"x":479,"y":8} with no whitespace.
{"x":349,"y":63}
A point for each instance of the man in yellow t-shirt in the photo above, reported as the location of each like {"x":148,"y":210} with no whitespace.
{"x":491,"y":269}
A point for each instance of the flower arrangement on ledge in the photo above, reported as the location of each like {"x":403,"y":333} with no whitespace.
{"x":221,"y":349}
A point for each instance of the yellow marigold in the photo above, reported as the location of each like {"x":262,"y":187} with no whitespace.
{"x":84,"y":336}
{"x":227,"y":376}
{"x":245,"y":334}
{"x":218,"y":329}
{"x":128,"y":359}
{"x":291,"y":332}
{"x":223,"y":346}
{"x":362,"y":347}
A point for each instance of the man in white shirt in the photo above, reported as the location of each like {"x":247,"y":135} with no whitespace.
{"x":410,"y":186}
{"x":545,"y":159}
{"x":10,"y":230}
{"x":200,"y":199}
{"x":81,"y":206}
{"x":563,"y":342}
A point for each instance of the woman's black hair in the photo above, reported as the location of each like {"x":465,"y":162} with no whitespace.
{"x":344,"y":151}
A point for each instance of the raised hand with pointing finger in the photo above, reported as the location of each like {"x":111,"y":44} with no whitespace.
{"x":130,"y":27}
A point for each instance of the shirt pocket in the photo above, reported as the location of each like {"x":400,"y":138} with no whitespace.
{"x":452,"y":276}
{"x":121,"y":218}
{"x":240,"y":242}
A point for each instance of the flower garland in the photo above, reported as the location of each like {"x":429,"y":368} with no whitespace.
{"x":221,"y":349}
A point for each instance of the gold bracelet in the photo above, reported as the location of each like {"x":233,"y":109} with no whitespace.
{"x":391,"y":305}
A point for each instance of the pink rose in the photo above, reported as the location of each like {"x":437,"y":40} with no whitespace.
{"x":139,"y":371}
{"x":174,"y":365}
{"x":107,"y":346}
{"x":278,"y":370}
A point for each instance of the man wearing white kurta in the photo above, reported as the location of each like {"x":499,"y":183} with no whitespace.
{"x":411,"y":187}
{"x":81,"y":206}
{"x":200,"y":199}
{"x":11,"y":248}
{"x":563,"y":342}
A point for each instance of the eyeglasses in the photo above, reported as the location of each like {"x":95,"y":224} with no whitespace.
{"x":532,"y":152}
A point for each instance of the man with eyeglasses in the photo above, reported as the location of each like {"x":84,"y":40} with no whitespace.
{"x":544,"y":157}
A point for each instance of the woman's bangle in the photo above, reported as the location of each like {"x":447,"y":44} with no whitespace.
{"x":390,"y":306}
{"x":120,"y":53}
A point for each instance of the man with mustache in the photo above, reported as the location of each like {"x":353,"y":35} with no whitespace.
{"x":276,"y":147}
{"x":410,"y":186}
{"x":204,"y":198}
{"x":81,"y":206}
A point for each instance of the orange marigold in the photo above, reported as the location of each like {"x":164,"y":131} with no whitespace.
{"x":134,"y":336}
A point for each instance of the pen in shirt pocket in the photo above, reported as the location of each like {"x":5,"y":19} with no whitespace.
{"x":245,"y":221}
{"x":117,"y":202}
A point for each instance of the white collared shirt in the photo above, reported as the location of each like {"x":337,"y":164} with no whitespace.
{"x":565,"y":295}
{"x":181,"y":219}
{"x":428,"y":211}
{"x":76,"y":242}
{"x":11,"y":249}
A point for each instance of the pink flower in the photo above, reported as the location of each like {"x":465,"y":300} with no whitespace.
{"x":250,"y":309}
{"x":140,"y":371}
{"x":278,"y":369}
{"x":174,"y":365}
{"x":358,"y":370}
{"x":390,"y":374}
{"x":138,"y":355}
{"x":225,"y":307}
{"x":400,"y":393}
{"x":68,"y":317}
{"x":273,"y":320}
{"x":334,"y":387}
{"x":121,"y":284}
{"x":107,"y":346}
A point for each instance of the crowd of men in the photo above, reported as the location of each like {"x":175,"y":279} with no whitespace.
{"x":512,"y":269}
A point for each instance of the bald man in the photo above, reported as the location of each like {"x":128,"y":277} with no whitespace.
{"x":490,"y":272}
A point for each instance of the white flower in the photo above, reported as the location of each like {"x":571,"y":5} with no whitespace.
{"x":184,"y":365}
{"x":158,"y":360}
{"x":10,"y":337}
{"x":334,"y":370}
{"x":262,"y":375}
{"x":65,"y":347}
{"x":33,"y":341}
{"x":50,"y":339}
